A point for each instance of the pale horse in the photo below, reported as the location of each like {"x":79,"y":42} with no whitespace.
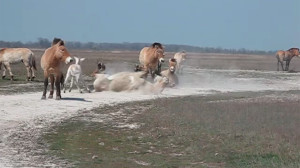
{"x":180,"y":59}
{"x":75,"y":72}
{"x":16,"y":55}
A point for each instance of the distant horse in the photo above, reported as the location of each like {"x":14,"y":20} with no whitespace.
{"x":75,"y":72}
{"x":51,"y":63}
{"x":16,"y":55}
{"x":170,"y":73}
{"x":287,"y":57}
{"x":180,"y":59}
{"x":151,"y":58}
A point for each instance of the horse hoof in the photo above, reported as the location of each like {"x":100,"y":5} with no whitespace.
{"x":89,"y":91}
{"x":80,"y":91}
{"x":57,"y":98}
{"x":64,"y":91}
{"x":12,"y":78}
{"x":3,"y":77}
{"x":43,"y":98}
{"x":50,"y":96}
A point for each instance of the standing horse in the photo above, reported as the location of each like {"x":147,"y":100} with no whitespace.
{"x":16,"y":55}
{"x":287,"y":57}
{"x":75,"y":72}
{"x":180,"y":59}
{"x":170,"y":73}
{"x":51,"y":62}
{"x":151,"y":58}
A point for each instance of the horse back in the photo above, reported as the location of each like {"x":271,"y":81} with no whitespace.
{"x":13,"y":55}
{"x":147,"y":56}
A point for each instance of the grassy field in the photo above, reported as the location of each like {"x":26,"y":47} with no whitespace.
{"x":241,"y":129}
{"x":225,"y":130}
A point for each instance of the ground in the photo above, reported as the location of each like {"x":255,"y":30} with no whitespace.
{"x":228,"y":111}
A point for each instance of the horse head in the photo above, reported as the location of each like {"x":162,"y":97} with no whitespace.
{"x":172,"y":65}
{"x":183,"y":54}
{"x":62,"y":53}
{"x":100,"y":66}
{"x":159,"y":51}
{"x":78,"y":60}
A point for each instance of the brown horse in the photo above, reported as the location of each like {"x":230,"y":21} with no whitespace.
{"x":287,"y":57}
{"x":151,"y":58}
{"x":16,"y":55}
{"x":51,"y":63}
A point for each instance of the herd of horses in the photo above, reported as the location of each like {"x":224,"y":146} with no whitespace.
{"x":150,"y":58}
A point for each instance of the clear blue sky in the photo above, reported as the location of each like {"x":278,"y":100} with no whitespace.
{"x":250,"y":24}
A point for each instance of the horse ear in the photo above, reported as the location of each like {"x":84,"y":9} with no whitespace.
{"x":82,"y":59}
{"x":60,"y":43}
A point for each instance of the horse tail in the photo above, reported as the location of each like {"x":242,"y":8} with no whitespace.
{"x":33,"y":63}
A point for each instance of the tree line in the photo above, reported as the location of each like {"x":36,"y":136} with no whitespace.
{"x":45,"y":43}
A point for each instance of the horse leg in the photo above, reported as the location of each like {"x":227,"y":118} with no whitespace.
{"x":287,"y":65}
{"x":281,"y":62}
{"x":77,"y":83}
{"x":57,"y":85}
{"x":84,"y":84}
{"x":32,"y":73}
{"x":9,"y":70}
{"x":66,"y":81}
{"x":51,"y":86}
{"x":28,"y":73}
{"x":45,"y":85}
{"x":4,"y":71}
{"x":71,"y":85}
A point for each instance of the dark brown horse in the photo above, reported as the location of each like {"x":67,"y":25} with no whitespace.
{"x":51,"y":63}
{"x":287,"y":57}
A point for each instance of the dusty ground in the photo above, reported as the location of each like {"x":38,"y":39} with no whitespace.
{"x":26,"y":118}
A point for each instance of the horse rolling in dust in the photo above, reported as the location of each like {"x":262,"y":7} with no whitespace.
{"x":287,"y":57}
{"x":74,"y":71}
{"x":16,"y":55}
{"x":51,"y":62}
{"x":129,"y":81}
{"x":180,"y":59}
{"x":151,"y":58}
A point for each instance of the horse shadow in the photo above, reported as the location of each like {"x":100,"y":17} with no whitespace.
{"x":75,"y":99}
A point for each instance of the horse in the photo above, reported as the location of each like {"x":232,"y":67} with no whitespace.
{"x":170,"y":73}
{"x":16,"y":55}
{"x":100,"y":68}
{"x":74,"y":71}
{"x":51,"y":63}
{"x":151,"y":58}
{"x":129,"y":81}
{"x":287,"y":57}
{"x":180,"y":59}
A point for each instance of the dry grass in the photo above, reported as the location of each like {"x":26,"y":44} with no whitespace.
{"x":185,"y":132}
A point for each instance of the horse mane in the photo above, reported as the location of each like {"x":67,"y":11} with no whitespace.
{"x":159,"y":45}
{"x":2,"y":50}
{"x":293,"y":49}
{"x":57,"y":40}
{"x":173,"y":60}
